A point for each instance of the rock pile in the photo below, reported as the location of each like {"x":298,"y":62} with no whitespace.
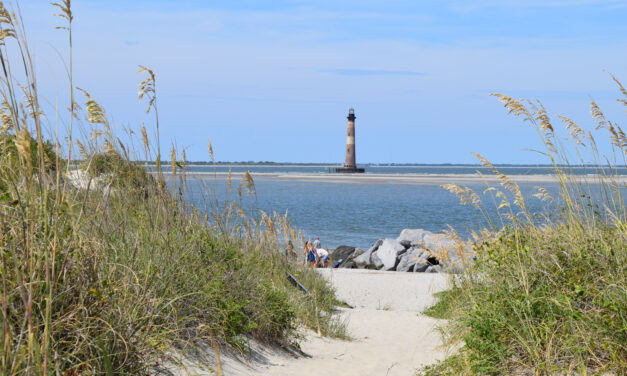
{"x":413,"y":251}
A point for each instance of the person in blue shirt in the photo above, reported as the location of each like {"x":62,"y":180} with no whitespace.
{"x":311,"y":254}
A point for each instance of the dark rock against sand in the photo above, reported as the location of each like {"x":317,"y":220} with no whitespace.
{"x":346,"y":254}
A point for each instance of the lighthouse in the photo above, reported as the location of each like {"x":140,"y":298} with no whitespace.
{"x":350,"y":141}
{"x":350,"y":164}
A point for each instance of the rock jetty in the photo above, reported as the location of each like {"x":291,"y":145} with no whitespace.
{"x":415,"y":250}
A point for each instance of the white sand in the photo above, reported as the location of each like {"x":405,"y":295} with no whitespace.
{"x":390,"y":336}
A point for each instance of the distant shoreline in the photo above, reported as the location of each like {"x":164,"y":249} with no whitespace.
{"x":391,"y":178}
{"x":165,"y":164}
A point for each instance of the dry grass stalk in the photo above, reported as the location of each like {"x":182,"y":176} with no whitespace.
{"x":210,"y":147}
{"x":173,"y":160}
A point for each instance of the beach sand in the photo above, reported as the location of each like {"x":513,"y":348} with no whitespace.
{"x":389,"y":334}
{"x":392,"y":178}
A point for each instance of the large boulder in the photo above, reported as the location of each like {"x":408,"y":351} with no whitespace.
{"x":342,"y":252}
{"x":389,"y":253}
{"x":421,"y":267}
{"x":412,"y":237}
{"x":447,"y":252}
{"x":346,"y":255}
{"x":433,"y":269}
{"x":444,"y":251}
{"x":375,"y":246}
{"x":365,"y":260}
{"x":376,"y":261}
{"x":408,"y":260}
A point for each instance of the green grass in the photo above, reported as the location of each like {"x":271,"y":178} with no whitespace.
{"x":547,"y":298}
{"x":107,"y":278}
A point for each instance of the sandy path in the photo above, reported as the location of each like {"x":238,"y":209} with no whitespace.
{"x":390,"y":336}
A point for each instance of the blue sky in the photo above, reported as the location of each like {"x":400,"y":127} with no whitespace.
{"x":273,"y":80}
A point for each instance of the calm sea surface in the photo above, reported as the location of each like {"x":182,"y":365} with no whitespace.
{"x":359,"y":213}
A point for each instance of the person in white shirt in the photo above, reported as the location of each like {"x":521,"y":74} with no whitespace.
{"x":323,"y":254}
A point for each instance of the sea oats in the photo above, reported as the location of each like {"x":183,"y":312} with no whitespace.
{"x":147,"y":87}
{"x":459,"y":192}
{"x":575,"y":130}
{"x":173,"y":160}
{"x":66,"y":11}
{"x":82,"y":149}
{"x":95,"y":113}
{"x":210,"y":147}
{"x":228,"y":180}
{"x":514,"y":106}
{"x":598,"y":115}
{"x":7,"y":29}
{"x":622,"y":90}
{"x":22,"y":143}
{"x":145,"y":139}
{"x":543,"y":194}
{"x":250,"y":183}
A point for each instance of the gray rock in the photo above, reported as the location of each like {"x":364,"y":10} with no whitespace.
{"x":389,"y":252}
{"x":375,"y":246}
{"x":348,"y":265}
{"x":366,"y":259}
{"x":413,"y":236}
{"x":405,"y":243}
{"x":346,"y":254}
{"x":356,"y":252}
{"x":446,"y":252}
{"x":375,"y":261}
{"x":434,"y":269}
{"x":363,"y":260}
{"x":439,"y":243}
{"x":421,"y":266}
{"x":342,"y":252}
{"x":408,"y":259}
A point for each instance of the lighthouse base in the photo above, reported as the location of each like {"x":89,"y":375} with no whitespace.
{"x":344,"y":170}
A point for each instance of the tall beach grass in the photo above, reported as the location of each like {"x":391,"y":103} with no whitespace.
{"x":103,"y":268}
{"x":547,"y":297}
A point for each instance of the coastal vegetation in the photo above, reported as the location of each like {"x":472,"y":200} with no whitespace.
{"x":105,"y":269}
{"x":547,"y":295}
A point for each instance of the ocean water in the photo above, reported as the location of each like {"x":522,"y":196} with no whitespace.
{"x":359,"y":213}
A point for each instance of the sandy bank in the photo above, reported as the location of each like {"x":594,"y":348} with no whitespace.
{"x":389,"y":178}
